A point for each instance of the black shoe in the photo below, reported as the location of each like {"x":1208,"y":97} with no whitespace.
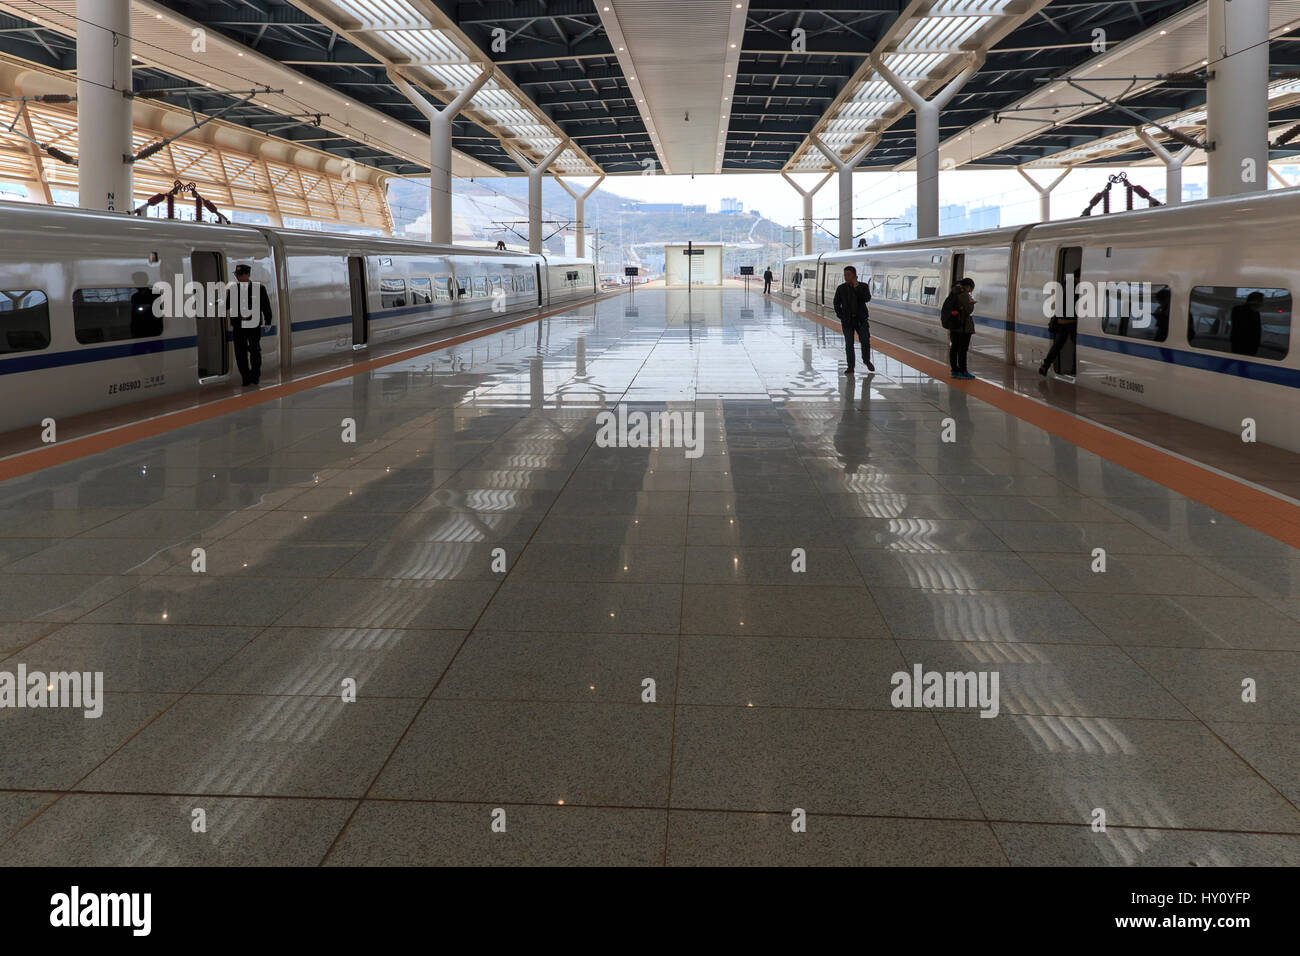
{"x":849,"y":370}
{"x":871,"y":366}
{"x":247,"y":382}
{"x":1042,"y":370}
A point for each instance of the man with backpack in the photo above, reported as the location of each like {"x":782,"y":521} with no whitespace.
{"x":851,"y":300}
{"x":955,"y":315}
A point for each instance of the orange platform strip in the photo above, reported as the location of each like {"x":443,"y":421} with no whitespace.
{"x":1242,"y":502}
{"x":24,"y":463}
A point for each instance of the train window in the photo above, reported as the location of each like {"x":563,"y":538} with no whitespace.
{"x":909,"y":288}
{"x":891,"y":287}
{"x":930,"y":290}
{"x":480,"y":287}
{"x":442,"y":287}
{"x":877,"y":286}
{"x":24,"y":320}
{"x":1135,"y":310}
{"x":421,"y":291}
{"x":112,"y":315}
{"x":462,"y":287}
{"x":392,"y":293}
{"x":1243,"y":320}
{"x":496,"y":282}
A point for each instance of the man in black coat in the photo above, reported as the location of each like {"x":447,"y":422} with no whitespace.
{"x":851,"y":300}
{"x":767,"y":281}
{"x":246,"y":321}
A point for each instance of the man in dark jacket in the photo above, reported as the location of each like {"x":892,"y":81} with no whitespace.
{"x":958,"y":320}
{"x":246,"y":320}
{"x":767,"y":281}
{"x":851,"y":300}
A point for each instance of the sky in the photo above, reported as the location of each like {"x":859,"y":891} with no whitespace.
{"x":886,"y":194}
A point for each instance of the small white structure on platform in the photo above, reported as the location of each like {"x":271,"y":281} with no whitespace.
{"x":695,"y":264}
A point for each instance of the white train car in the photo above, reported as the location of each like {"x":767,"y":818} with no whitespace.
{"x":1178,"y":346}
{"x":82,"y":330}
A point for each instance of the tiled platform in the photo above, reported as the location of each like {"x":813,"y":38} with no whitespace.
{"x":526,"y":690}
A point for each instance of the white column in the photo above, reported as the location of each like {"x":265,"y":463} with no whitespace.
{"x":440,"y":148}
{"x":535,"y":173}
{"x":1237,"y":96}
{"x":927,"y":139}
{"x":580,"y":211}
{"x":1044,"y":192}
{"x":845,"y":167}
{"x":1281,"y":180}
{"x":103,"y":112}
{"x":807,"y":195}
{"x":1173,"y":166}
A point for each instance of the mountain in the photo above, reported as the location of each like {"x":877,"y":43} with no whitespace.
{"x":487,"y":210}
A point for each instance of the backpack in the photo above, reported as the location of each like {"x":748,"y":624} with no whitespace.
{"x":950,"y":313}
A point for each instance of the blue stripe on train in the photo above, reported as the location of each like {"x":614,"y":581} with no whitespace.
{"x":1204,"y":361}
{"x":34,"y":361}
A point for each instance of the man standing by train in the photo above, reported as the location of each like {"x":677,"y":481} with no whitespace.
{"x":851,"y":300}
{"x":246,"y":320}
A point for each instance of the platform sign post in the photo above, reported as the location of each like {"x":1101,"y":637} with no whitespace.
{"x":747,"y":271}
{"x":631,"y":272}
{"x":690,"y":252}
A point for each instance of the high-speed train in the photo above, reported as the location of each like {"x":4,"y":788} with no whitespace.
{"x":82,"y":330}
{"x":1208,"y":340}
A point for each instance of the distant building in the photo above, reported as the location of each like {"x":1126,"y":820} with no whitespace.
{"x":731,"y":206}
{"x":671,"y":207}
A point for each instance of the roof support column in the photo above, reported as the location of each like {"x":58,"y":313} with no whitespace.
{"x":103,"y":109}
{"x":927,"y":139}
{"x":535,"y":174}
{"x":845,"y":167}
{"x":579,"y":211}
{"x":1281,"y":180}
{"x":440,"y":148}
{"x":1044,"y":192}
{"x":1237,"y":97}
{"x":807,"y":195}
{"x":1173,"y":166}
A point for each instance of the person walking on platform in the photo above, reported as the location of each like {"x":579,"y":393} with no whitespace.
{"x":851,"y":300}
{"x":767,"y":281}
{"x":246,"y":321}
{"x":956,"y":315}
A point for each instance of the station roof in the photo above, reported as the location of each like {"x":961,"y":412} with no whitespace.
{"x":617,"y":79}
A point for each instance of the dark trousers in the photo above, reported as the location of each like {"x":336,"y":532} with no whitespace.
{"x":864,"y":336}
{"x":248,"y":353}
{"x":958,"y":346}
{"x":767,"y":286}
{"x":1064,"y":333}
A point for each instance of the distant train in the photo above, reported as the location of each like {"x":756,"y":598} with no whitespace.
{"x":1210,"y":269}
{"x":79,"y":331}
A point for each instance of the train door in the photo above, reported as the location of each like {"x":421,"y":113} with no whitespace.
{"x":212,"y":355}
{"x":360,"y":315}
{"x":1069,"y":263}
{"x":958,"y":271}
{"x":538,"y":267}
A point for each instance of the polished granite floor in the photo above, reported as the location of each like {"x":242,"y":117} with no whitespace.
{"x":649,"y":681}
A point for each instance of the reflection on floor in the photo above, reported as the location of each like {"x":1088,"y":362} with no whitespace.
{"x":682,"y":650}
